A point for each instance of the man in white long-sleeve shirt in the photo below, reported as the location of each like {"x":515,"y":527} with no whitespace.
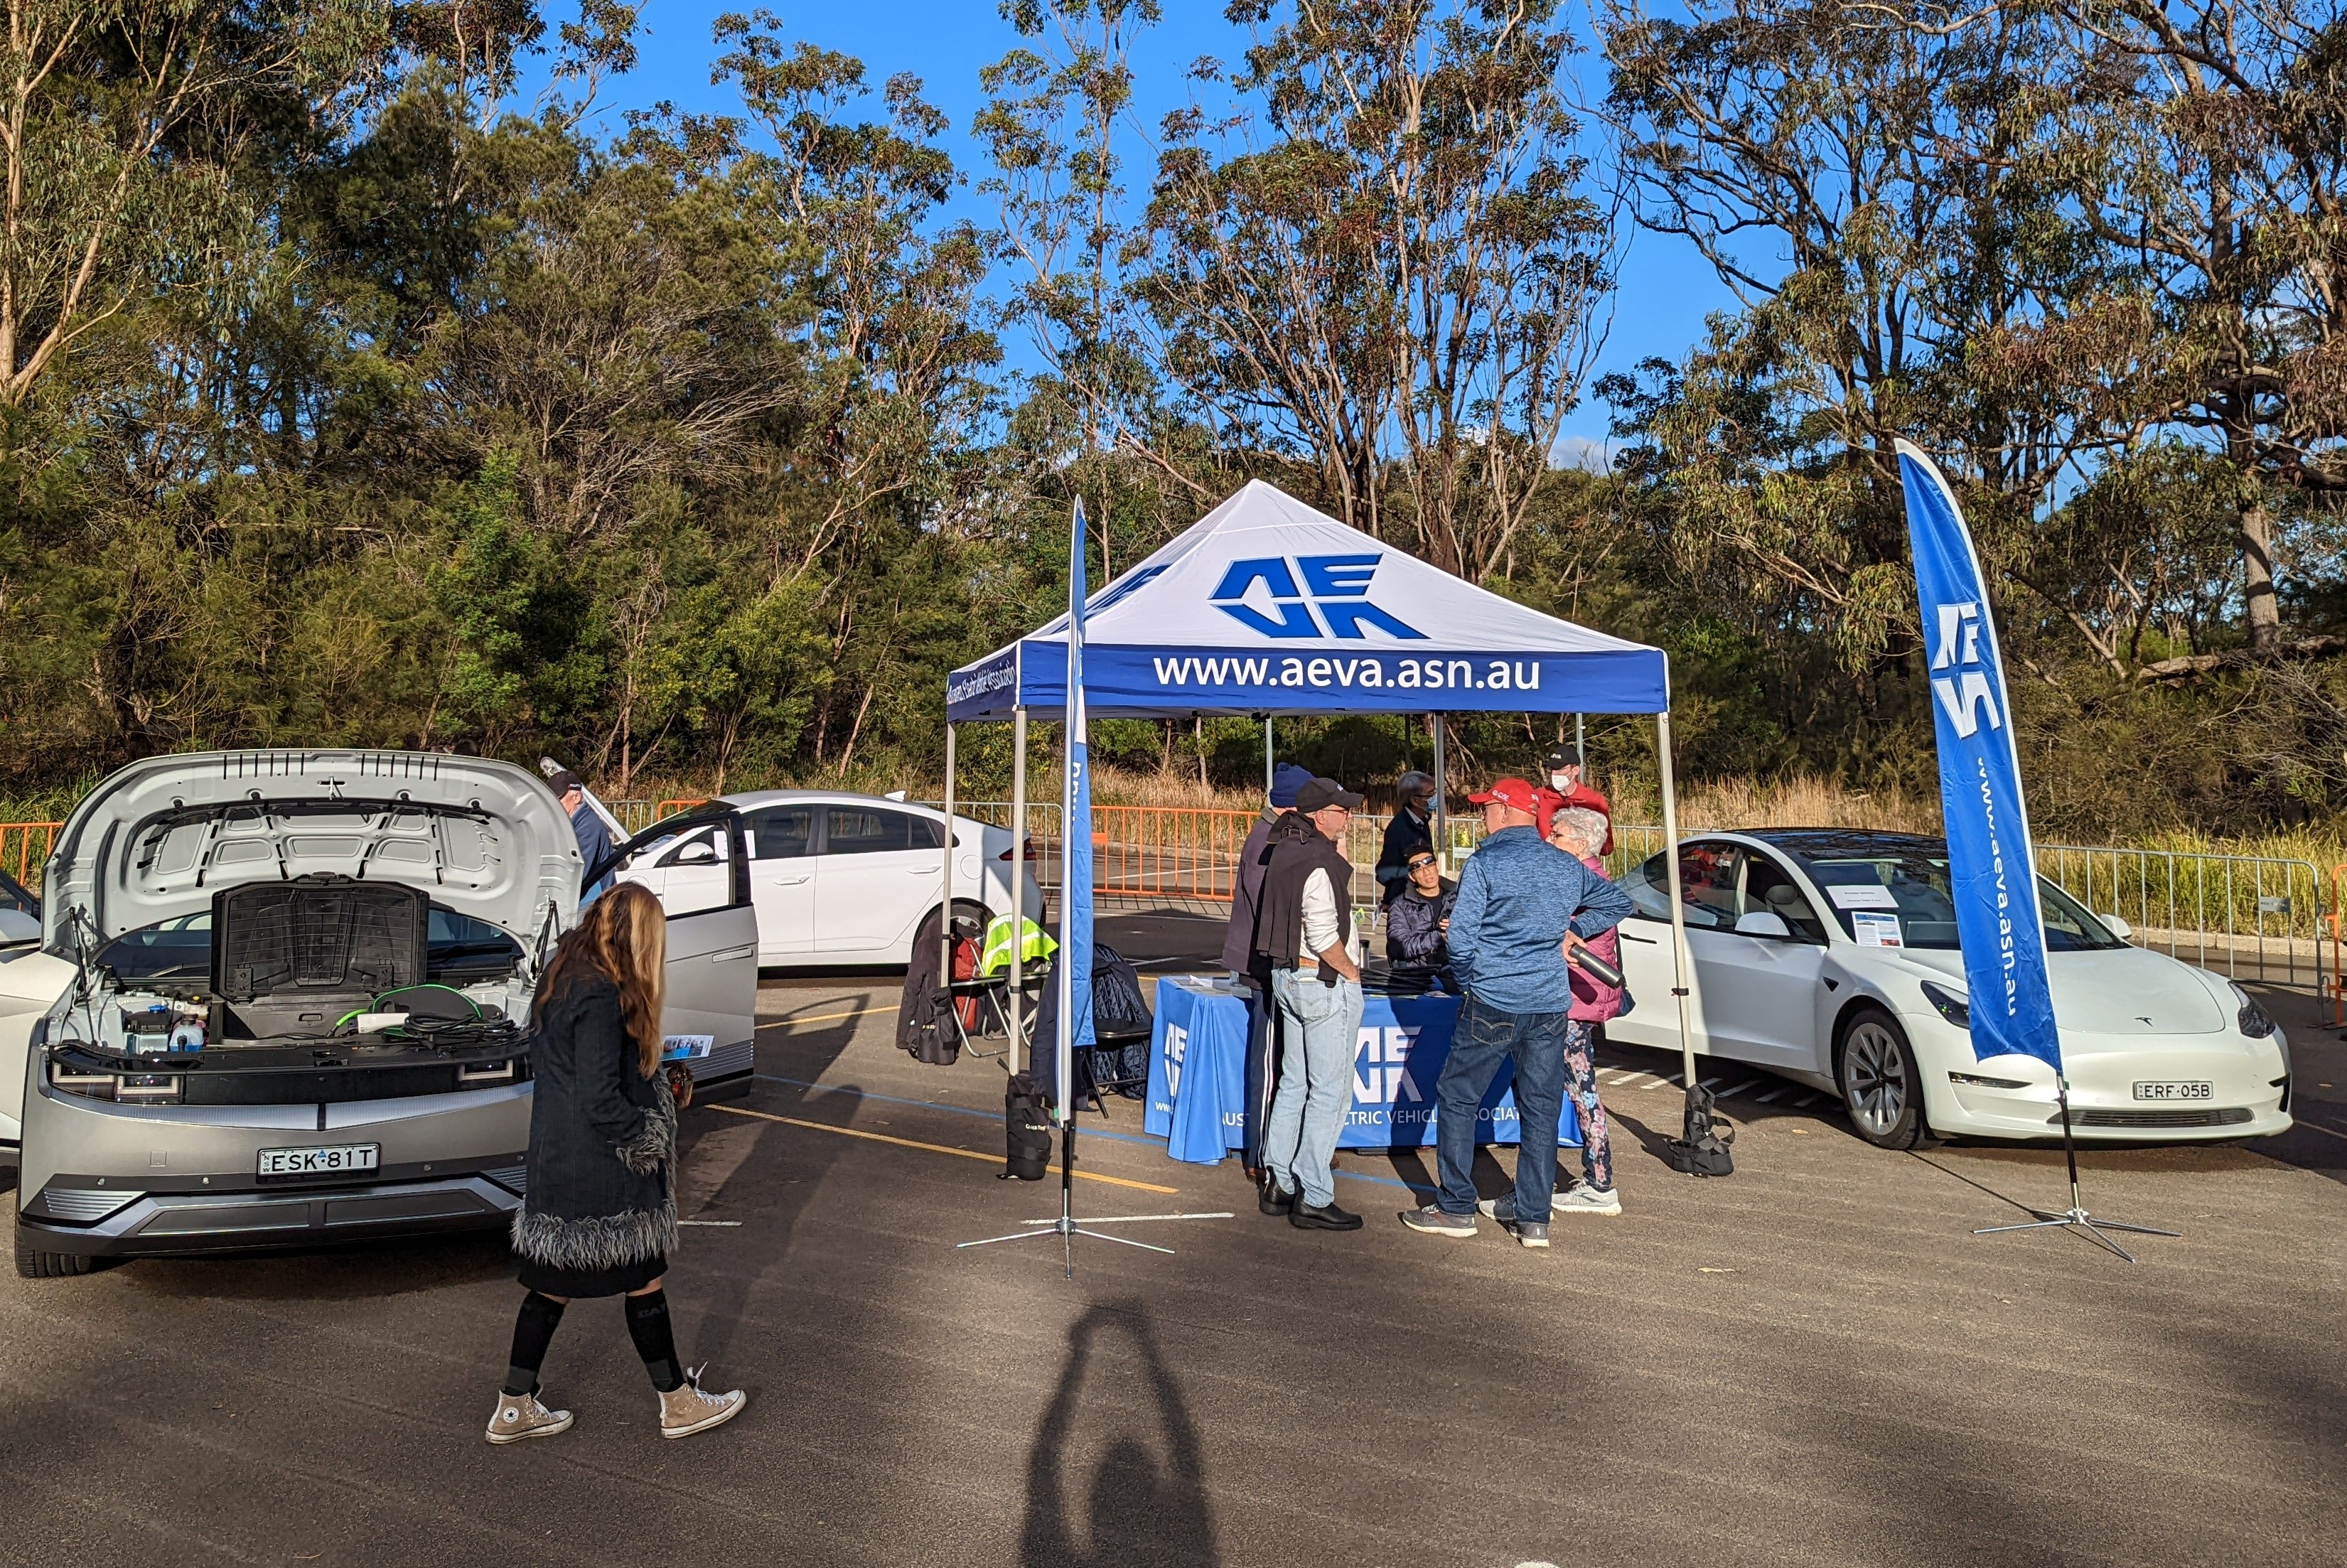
{"x":1303,"y":937}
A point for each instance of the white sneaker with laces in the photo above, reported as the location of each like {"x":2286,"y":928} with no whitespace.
{"x":686,"y":1408}
{"x":519,"y":1416}
{"x":1584,"y":1199}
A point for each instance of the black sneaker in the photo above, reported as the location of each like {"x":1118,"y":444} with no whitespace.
{"x":1272,"y":1201}
{"x":1328,"y":1217}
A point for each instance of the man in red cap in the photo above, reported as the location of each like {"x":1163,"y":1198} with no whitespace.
{"x":1521,"y":903}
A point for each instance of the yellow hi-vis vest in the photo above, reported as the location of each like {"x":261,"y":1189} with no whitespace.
{"x":1035,"y":945}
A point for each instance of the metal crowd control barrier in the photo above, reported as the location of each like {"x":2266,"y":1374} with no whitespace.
{"x":24,"y":849}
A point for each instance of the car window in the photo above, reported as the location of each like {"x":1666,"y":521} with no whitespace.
{"x":1913,"y":885}
{"x":12,"y":896}
{"x":869,"y":830}
{"x":706,"y":847}
{"x":781,"y":832}
{"x":1768,"y":886}
{"x":1707,"y":885}
{"x":180,"y":950}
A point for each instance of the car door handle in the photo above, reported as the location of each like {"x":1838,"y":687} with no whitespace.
{"x":788,"y":881}
{"x":747,"y":951}
{"x":1649,"y":941}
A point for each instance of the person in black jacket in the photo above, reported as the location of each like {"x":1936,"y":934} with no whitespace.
{"x":1418,"y":923}
{"x":599,"y":1218}
{"x":1409,"y":832}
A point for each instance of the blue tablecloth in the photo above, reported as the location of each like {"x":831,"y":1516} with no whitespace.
{"x":1197,"y":1075}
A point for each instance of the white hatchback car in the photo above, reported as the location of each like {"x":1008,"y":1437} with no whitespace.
{"x":841,"y":879}
{"x":1831,"y":955}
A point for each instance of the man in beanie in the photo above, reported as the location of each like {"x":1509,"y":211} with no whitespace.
{"x":1564,"y":772}
{"x":1522,"y":905}
{"x":1238,"y":941}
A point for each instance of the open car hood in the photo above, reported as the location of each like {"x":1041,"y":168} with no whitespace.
{"x":159,"y":838}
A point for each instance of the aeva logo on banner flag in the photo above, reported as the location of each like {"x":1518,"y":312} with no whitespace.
{"x":1339,"y":588}
{"x":1965,"y":692}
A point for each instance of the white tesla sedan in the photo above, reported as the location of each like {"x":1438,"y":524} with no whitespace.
{"x":1831,"y":956}
{"x":840,"y":878}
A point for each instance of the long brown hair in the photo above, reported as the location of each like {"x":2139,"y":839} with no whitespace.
{"x":623,"y":937}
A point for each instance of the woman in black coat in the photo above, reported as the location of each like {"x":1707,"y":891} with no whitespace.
{"x":599,"y":1217}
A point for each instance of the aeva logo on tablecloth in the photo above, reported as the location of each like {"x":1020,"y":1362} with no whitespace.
{"x":1965,"y":692}
{"x":1381,"y":1066}
{"x":1338,"y":586}
{"x":1177,"y":1046}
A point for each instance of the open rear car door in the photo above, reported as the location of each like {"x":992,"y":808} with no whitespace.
{"x":711,"y":1015}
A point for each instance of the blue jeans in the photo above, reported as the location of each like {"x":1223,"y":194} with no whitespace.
{"x":1482,"y":1039}
{"x":1321,"y":1036}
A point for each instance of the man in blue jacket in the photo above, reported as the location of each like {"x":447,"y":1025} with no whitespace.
{"x":1522,"y":902}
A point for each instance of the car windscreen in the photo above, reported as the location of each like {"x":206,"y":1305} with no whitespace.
{"x":180,"y":950}
{"x":1911,"y":885}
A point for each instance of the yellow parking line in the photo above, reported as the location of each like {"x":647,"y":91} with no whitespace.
{"x":831,"y":1017}
{"x":932,"y":1148}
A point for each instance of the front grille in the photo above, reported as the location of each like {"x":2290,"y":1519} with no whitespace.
{"x":512,"y":1178}
{"x":81,"y":1206}
{"x":2225,"y":1116}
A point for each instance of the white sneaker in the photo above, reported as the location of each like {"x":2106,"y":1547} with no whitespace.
{"x":1584,"y":1199}
{"x":686,"y":1409}
{"x":519,"y":1416}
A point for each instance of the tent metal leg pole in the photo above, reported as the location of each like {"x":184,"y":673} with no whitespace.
{"x":1268,"y":764}
{"x":944,"y":891}
{"x":1441,"y":800}
{"x":1680,"y":966}
{"x":1017,"y":874}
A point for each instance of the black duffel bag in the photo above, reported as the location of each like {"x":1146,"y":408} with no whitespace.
{"x":1026,"y":1129}
{"x":1703,"y":1150}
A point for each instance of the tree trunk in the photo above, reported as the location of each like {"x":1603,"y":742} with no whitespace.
{"x":2256,"y":540}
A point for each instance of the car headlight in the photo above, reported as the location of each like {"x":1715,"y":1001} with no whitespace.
{"x":1947,"y":1005}
{"x":2255,"y":1022}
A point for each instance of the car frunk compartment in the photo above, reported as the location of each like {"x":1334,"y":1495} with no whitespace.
{"x":321,"y":936}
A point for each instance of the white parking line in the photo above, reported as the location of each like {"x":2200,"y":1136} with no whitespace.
{"x":1765,"y":1099}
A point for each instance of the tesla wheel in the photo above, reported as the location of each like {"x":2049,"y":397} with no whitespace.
{"x":31,"y":1263}
{"x":1879,"y":1083}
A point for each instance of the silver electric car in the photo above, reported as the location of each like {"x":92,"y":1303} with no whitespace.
{"x":281,"y":999}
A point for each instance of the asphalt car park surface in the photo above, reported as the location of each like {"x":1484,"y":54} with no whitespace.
{"x":1812,"y":1361}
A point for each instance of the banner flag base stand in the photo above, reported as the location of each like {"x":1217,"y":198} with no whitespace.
{"x":1067,"y":1227}
{"x":2075,"y":1216}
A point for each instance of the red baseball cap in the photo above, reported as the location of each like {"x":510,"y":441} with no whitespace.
{"x":1513,"y":791}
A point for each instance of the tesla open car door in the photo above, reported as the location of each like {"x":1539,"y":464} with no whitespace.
{"x":712,"y":1017}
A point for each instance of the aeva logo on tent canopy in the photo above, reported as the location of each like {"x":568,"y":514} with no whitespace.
{"x":1338,"y":586}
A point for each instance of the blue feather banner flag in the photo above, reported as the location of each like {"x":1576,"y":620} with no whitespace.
{"x":1991,"y":866}
{"x":1076,"y":824}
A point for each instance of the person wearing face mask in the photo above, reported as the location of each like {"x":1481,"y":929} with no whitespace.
{"x":1418,"y":923}
{"x":1564,"y":771}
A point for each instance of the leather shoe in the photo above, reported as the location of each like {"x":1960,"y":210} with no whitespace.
{"x":1328,"y":1217}
{"x":1272,"y":1201}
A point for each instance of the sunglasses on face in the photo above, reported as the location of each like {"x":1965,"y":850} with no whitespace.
{"x":1421,"y":865}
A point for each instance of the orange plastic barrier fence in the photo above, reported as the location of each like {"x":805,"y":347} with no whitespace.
{"x":24,"y":849}
{"x":1151,"y":852}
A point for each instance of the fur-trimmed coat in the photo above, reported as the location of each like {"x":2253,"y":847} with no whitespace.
{"x":602,"y":1139}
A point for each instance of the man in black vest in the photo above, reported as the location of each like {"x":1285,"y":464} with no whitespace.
{"x":1238,"y":946}
{"x":1303,"y":936}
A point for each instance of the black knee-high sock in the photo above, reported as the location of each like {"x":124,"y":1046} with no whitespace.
{"x":533,"y":1328}
{"x":648,"y":1327}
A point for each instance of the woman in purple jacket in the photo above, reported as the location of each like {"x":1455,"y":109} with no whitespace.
{"x":1579,"y":832}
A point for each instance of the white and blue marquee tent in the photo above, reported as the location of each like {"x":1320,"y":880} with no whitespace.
{"x":1265,"y":607}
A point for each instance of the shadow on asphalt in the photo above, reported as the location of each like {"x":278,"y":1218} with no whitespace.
{"x":1145,"y":1499}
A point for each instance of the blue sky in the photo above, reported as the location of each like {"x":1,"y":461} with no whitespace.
{"x":1666,"y":289}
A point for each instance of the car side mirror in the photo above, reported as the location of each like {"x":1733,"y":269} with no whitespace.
{"x":701,"y":852}
{"x":1762,"y":923}
{"x":15,"y":927}
{"x":2116,"y":927}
